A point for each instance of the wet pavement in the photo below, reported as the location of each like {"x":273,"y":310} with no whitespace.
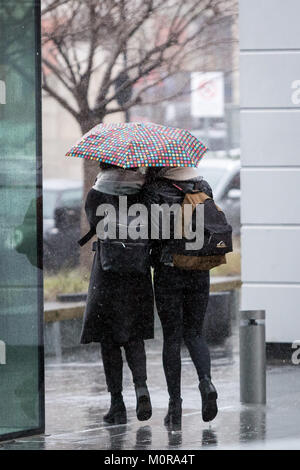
{"x":76,"y":399}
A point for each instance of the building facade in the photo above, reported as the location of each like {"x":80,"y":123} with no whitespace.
{"x":270,"y":138}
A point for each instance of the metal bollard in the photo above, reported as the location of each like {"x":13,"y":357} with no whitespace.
{"x":252,"y":357}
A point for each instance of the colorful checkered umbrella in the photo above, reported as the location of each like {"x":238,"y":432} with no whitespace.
{"x":139,"y":144}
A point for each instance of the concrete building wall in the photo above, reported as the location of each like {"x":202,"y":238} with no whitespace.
{"x":270,"y":152}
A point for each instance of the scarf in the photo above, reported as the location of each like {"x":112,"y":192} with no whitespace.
{"x":118,"y":181}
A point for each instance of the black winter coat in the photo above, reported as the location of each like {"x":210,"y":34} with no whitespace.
{"x":119,"y":305}
{"x":181,"y":295}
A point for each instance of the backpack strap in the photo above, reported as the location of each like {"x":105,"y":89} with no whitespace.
{"x":87,"y":236}
{"x":198,"y":187}
{"x":192,"y":199}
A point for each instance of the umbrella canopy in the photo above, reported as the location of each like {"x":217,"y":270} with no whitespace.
{"x":139,"y":145}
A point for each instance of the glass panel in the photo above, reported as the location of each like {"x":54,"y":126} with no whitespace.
{"x":50,"y":200}
{"x":21,"y":348}
{"x":71,"y":198}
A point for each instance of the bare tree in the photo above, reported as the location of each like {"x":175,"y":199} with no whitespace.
{"x":130,"y":46}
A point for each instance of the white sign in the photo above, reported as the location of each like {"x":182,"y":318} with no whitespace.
{"x":207,"y":95}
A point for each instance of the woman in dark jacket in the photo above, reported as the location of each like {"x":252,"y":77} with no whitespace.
{"x":119,"y":310}
{"x":181,"y":297}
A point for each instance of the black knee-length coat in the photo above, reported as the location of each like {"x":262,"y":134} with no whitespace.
{"x":119,"y":305}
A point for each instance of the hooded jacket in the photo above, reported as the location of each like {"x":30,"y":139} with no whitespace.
{"x":166,"y":187}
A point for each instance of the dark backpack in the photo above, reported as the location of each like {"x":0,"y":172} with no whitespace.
{"x":217,"y":237}
{"x":121,"y":255}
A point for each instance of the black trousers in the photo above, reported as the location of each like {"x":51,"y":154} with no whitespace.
{"x":113,"y":363}
{"x":181,"y":298}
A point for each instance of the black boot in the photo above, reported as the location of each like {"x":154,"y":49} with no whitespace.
{"x":117,"y":411}
{"x":143,"y":403}
{"x":173,"y":417}
{"x":209,"y":399}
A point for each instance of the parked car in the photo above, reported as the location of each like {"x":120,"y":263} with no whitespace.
{"x":223,"y":175}
{"x":62,"y":201}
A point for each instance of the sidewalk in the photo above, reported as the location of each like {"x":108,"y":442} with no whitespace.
{"x":76,"y":400}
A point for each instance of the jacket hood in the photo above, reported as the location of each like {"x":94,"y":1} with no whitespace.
{"x":118,"y":182}
{"x":181,"y":174}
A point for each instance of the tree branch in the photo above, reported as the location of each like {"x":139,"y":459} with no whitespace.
{"x":157,"y":35}
{"x":60,"y":100}
{"x":53,"y":6}
{"x":106,"y":83}
{"x":58,"y":73}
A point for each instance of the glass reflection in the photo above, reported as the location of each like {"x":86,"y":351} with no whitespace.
{"x":20,"y":251}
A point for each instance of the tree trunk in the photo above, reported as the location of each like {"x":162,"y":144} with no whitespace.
{"x":90,"y":171}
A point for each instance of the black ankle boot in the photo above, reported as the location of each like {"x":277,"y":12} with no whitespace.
{"x":209,"y":399}
{"x":173,"y":417}
{"x":117,"y":411}
{"x":143,"y":403}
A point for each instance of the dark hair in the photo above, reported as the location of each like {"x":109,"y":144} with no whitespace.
{"x":108,"y":166}
{"x":151,"y":173}
{"x":154,"y":172}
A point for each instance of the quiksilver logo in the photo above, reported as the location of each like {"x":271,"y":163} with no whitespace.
{"x":221,"y":244}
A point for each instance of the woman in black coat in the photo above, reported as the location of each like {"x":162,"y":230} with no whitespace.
{"x":119,"y":309}
{"x":181,"y":297}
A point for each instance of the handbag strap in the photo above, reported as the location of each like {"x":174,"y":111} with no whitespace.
{"x":87,"y":236}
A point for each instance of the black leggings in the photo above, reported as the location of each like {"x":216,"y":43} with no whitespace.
{"x":181,"y":299}
{"x":113,"y":363}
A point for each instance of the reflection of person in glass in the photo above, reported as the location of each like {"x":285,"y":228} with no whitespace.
{"x":25,"y":235}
